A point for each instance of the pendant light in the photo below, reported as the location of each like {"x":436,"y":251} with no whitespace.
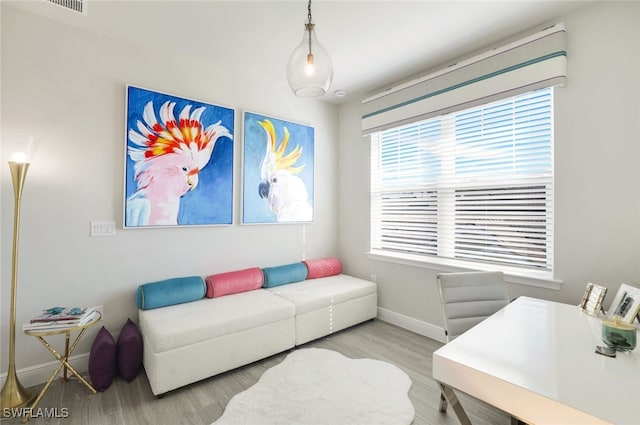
{"x":309,"y":69}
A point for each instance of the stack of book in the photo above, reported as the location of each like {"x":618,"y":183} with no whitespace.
{"x":61,"y":317}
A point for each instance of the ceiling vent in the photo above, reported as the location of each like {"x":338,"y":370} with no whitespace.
{"x":79,"y":6}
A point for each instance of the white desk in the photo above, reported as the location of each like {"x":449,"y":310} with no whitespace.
{"x":535,"y":360}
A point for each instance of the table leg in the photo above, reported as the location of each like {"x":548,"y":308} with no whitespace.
{"x":64,"y":361}
{"x":80,"y":378}
{"x":451,"y":397}
{"x":66,"y":356}
{"x":64,"y":365}
{"x":68,"y":366}
{"x":41,"y":394}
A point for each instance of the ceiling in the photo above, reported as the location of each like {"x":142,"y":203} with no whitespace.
{"x":372,"y":43}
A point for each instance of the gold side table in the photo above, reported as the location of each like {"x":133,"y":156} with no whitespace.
{"x":39,"y":334}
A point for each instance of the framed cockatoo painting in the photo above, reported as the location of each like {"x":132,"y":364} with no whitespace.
{"x":278,"y":172}
{"x":179,"y":161}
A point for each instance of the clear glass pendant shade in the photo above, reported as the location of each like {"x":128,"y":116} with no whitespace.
{"x":309,"y":69}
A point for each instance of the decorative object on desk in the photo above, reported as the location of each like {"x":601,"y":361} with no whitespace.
{"x":619,"y":335}
{"x":20,"y":149}
{"x":591,"y":302}
{"x":626,"y":304}
{"x":317,"y":386}
{"x":102,"y":360}
{"x":605,"y":351}
{"x":278,"y":171}
{"x":179,"y":169}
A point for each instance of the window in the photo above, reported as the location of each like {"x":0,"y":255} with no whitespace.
{"x":472,"y":188}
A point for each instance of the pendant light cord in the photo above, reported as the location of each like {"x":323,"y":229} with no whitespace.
{"x":309,"y":25}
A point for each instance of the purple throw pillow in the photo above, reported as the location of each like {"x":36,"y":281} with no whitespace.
{"x":129,"y":351}
{"x":102,"y":360}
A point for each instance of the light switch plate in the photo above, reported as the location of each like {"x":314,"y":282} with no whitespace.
{"x":103,"y":228}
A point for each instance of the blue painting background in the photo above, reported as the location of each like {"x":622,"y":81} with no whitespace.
{"x":211,"y":202}
{"x":254,"y":208}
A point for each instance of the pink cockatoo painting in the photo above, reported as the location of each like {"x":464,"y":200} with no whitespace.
{"x":278,"y":171}
{"x":179,"y":161}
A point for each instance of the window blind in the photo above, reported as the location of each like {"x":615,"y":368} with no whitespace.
{"x":533,"y":62}
{"x":474,"y":186}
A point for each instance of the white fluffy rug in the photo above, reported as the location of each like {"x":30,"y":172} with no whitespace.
{"x":321,"y":387}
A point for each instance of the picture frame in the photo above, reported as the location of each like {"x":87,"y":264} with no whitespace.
{"x":179,"y":158}
{"x":592,"y":298}
{"x":626,"y":303}
{"x":277,"y":170}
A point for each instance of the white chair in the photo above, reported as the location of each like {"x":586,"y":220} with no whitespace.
{"x":468,"y":298}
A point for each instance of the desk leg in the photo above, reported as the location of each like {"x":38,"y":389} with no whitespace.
{"x":443,"y":403}
{"x":451,"y":397}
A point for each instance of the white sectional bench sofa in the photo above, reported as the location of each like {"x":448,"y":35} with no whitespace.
{"x":329,"y":304}
{"x":190,"y":341}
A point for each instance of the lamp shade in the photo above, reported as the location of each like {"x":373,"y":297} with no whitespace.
{"x":20,"y":147}
{"x":309,"y":69}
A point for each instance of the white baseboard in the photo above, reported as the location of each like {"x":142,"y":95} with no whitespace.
{"x":411,"y":324}
{"x":39,"y":374}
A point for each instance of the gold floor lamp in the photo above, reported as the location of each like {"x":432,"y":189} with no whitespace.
{"x":20,"y":150}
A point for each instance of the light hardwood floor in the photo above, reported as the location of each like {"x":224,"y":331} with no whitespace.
{"x":203,"y":402}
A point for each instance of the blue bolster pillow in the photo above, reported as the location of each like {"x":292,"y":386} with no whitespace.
{"x":281,"y":275}
{"x":169,"y":292}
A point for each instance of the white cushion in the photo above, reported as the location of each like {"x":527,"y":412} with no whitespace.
{"x":183,"y":365}
{"x":313,"y":294}
{"x":186,"y":324}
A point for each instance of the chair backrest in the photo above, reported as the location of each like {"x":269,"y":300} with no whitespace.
{"x":468,"y":298}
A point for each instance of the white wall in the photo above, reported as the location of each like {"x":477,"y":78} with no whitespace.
{"x":67,"y":87}
{"x":597,"y":209}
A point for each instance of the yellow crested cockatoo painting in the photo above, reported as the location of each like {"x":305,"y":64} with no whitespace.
{"x":279,"y":165}
{"x":179,"y":161}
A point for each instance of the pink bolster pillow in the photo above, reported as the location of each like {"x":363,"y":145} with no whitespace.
{"x":234,"y":282}
{"x":323,"y":267}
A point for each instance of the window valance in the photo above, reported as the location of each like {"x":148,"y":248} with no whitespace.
{"x":533,"y":62}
